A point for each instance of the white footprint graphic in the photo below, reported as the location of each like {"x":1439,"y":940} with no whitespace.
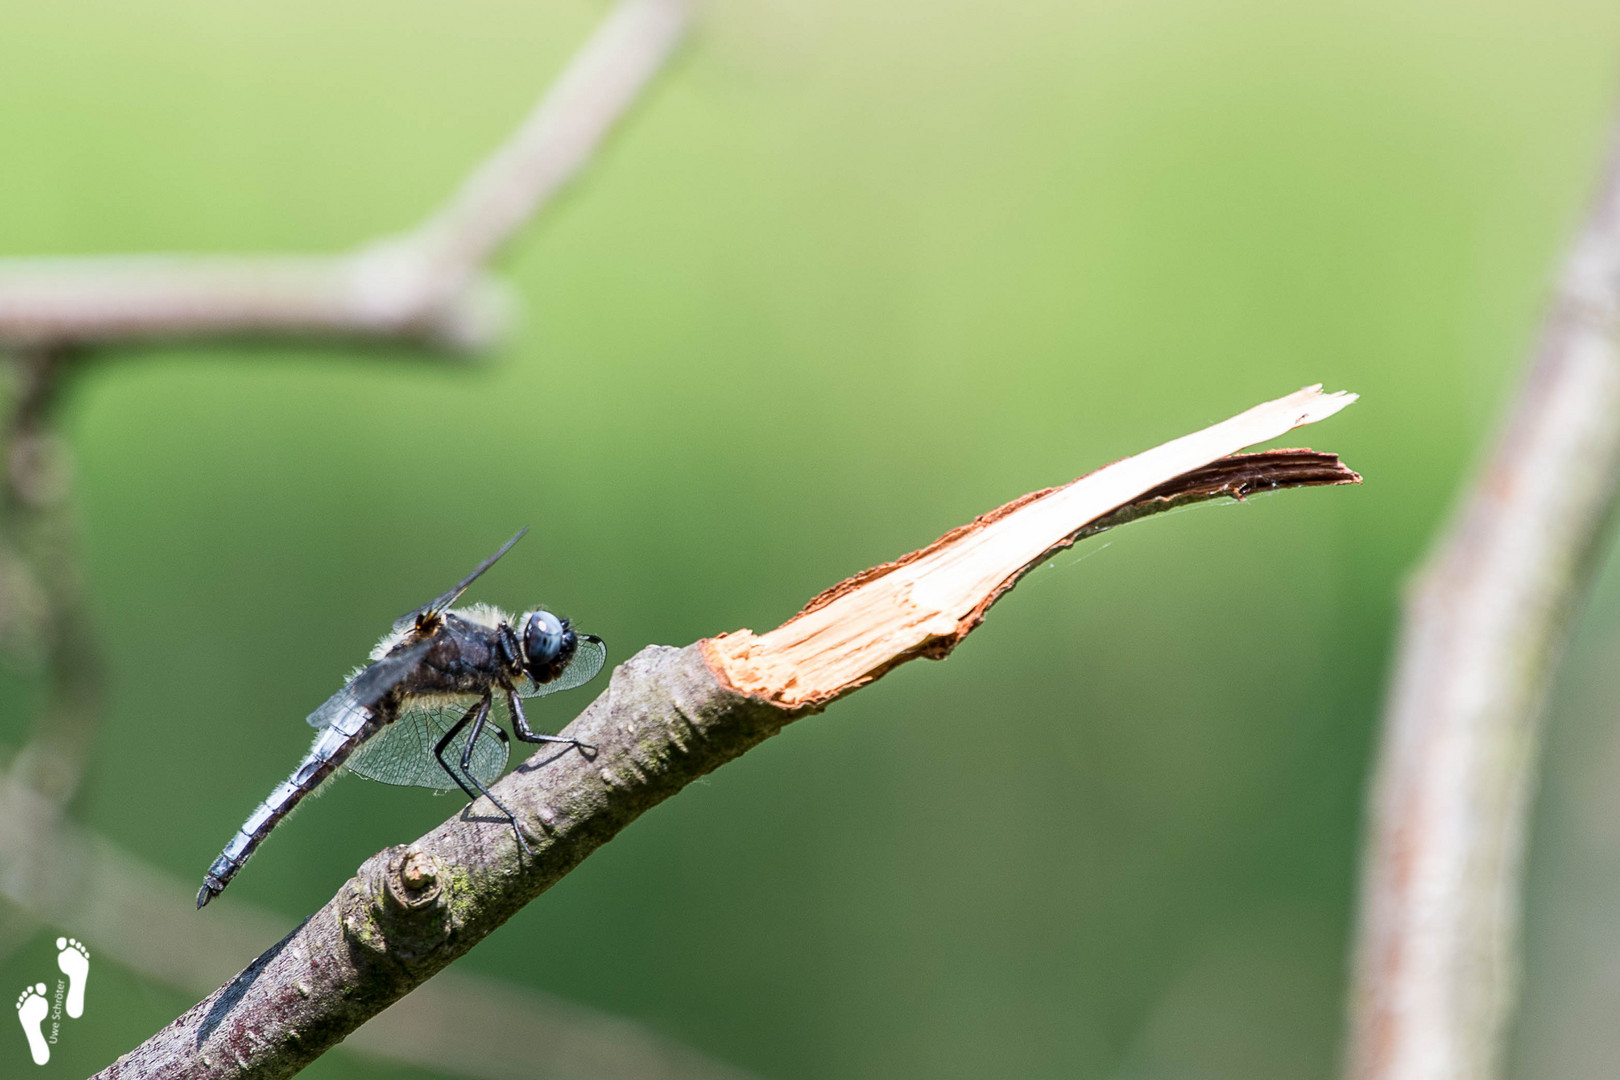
{"x":74,"y":960}
{"x":31,"y":1010}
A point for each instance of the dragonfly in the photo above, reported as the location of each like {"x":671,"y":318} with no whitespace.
{"x":426,"y":711}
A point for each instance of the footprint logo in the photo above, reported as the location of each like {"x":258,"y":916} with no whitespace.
{"x":32,"y":1009}
{"x":74,"y":960}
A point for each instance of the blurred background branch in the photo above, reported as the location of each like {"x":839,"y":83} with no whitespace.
{"x":427,"y":286}
{"x":43,"y":622}
{"x":1486,"y":620}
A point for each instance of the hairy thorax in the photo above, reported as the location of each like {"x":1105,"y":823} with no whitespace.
{"x":464,"y":659}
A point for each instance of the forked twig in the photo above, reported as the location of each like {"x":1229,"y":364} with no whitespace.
{"x":1485,"y":624}
{"x":427,"y":286}
{"x":668,"y":717}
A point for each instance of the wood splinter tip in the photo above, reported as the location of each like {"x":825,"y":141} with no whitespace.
{"x":925,"y":603}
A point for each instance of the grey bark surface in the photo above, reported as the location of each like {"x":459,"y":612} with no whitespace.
{"x":55,"y":872}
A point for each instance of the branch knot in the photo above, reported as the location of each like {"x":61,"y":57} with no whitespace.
{"x":397,"y":905}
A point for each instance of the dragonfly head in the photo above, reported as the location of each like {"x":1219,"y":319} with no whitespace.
{"x":548,"y":645}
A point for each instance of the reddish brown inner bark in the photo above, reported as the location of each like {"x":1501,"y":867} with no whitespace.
{"x":913,"y":606}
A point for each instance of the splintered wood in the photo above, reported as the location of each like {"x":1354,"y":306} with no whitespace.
{"x":925,"y":603}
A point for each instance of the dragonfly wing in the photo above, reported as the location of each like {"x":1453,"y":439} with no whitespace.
{"x":589,"y":656}
{"x":369,"y":685}
{"x":438,"y":605}
{"x":338,"y":705}
{"x":402,"y":752}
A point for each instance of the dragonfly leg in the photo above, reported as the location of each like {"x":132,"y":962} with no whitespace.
{"x":477,"y":715}
{"x":455,"y":729}
{"x":520,"y":725}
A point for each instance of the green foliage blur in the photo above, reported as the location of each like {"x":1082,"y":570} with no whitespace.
{"x":852,"y":274}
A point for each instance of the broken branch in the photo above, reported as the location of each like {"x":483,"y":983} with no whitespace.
{"x":925,"y":603}
{"x":668,"y":717}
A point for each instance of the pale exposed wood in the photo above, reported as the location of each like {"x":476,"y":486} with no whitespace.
{"x":928,"y":601}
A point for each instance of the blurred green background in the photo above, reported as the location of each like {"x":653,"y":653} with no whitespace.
{"x":852,"y":274}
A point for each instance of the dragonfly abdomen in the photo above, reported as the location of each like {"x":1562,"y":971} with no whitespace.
{"x":332,"y":746}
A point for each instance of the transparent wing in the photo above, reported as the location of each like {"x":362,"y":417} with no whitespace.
{"x":588,"y":658}
{"x":402,"y":752}
{"x":369,"y":685}
{"x":439,"y":605}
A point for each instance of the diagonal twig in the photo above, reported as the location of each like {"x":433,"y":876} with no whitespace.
{"x":426,"y":286}
{"x":1485,"y":624}
{"x":56,"y":871}
{"x":668,"y":717}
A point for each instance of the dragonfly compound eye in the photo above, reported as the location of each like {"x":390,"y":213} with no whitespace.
{"x":546,"y":644}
